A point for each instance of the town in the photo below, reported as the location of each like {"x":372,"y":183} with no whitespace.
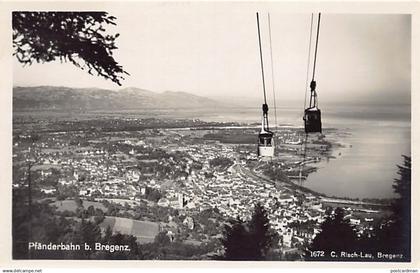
{"x":184,"y":178}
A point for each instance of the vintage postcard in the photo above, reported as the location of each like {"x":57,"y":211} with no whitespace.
{"x":209,"y":131}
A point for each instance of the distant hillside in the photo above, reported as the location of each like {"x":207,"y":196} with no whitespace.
{"x":65,"y":98}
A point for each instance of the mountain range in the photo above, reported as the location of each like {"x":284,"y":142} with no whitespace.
{"x":65,"y":98}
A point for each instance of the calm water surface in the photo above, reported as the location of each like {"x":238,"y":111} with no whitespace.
{"x":367,"y":166}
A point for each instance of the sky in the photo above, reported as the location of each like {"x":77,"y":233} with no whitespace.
{"x":214,"y":52}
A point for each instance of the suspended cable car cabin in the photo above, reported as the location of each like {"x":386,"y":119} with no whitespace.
{"x":312,"y":114}
{"x":265,"y":137}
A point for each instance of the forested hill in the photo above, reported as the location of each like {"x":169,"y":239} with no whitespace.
{"x":65,"y":98}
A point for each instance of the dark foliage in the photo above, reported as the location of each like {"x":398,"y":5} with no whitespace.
{"x":20,"y":226}
{"x":336,"y":235}
{"x":221,"y":162}
{"x":161,"y":239}
{"x":249,"y":240}
{"x":235,"y":242}
{"x":35,"y":224}
{"x":173,"y":251}
{"x":391,"y":236}
{"x":118,"y":239}
{"x":402,"y":206}
{"x":153,"y":194}
{"x":394,"y":236}
{"x":276,"y":173}
{"x":77,"y":37}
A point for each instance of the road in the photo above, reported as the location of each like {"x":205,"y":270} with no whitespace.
{"x":242,"y":170}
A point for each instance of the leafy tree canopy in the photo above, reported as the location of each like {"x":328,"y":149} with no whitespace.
{"x":336,"y":235}
{"x":392,"y":235}
{"x":78,"y":37}
{"x":250,"y":240}
{"x":395,"y":235}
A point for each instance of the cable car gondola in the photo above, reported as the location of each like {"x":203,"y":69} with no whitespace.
{"x":312,"y":114}
{"x":265,"y":137}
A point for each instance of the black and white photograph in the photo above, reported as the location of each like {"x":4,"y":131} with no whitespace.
{"x":191,"y":131}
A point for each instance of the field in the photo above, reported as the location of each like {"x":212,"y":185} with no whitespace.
{"x":144,"y":231}
{"x":46,"y":167}
{"x":70,"y":205}
{"x":232,"y":137}
{"x":119,"y":201}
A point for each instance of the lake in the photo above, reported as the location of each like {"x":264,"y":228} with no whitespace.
{"x":375,"y":137}
{"x":367,"y":166}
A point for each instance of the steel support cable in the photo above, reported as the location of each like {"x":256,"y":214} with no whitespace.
{"x":316,"y":51}
{"x":304,"y":158}
{"x":313,"y":84}
{"x":272,"y":72}
{"x":316,"y":46}
{"x":309,"y":61}
{"x":261,"y":57}
{"x":306,"y":91}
